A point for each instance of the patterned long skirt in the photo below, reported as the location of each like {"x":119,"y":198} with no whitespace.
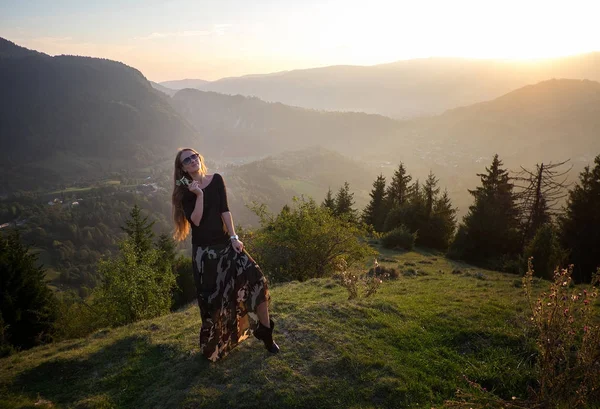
{"x":229,"y":286}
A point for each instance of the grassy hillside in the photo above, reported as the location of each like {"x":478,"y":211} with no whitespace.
{"x":407,"y":346}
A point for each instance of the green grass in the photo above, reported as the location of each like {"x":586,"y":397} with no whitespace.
{"x":407,"y":346}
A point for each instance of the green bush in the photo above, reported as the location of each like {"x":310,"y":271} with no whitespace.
{"x":185,"y":291}
{"x":76,"y":318}
{"x":132,"y":287}
{"x":305,"y":241}
{"x":546,"y":252}
{"x":400,"y":237}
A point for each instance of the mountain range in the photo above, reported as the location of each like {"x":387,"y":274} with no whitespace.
{"x":68,"y":118}
{"x":403,"y":89}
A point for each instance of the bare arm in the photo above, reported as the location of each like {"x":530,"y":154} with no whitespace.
{"x":238,"y":246}
{"x":228,"y":220}
{"x":196,"y":215}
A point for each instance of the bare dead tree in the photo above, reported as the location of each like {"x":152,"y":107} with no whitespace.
{"x":539,"y":194}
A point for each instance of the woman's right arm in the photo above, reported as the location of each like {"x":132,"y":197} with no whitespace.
{"x":198,"y":210}
{"x":196,"y":215}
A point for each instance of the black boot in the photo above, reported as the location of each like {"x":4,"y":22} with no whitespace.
{"x":266,"y":335}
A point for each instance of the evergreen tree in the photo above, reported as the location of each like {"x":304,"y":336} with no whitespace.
{"x":430,"y":192}
{"x":166,"y":248}
{"x":580,"y":225}
{"x":27,"y":305}
{"x":415,"y":194}
{"x":139,"y":230}
{"x":329,"y":201}
{"x":444,"y":221}
{"x":375,"y":212}
{"x":398,"y":191}
{"x":489,"y":230}
{"x":344,"y":202}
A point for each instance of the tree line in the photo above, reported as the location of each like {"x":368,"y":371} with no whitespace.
{"x":512,"y":218}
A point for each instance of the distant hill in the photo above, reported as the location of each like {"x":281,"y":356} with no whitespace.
{"x":237,"y":126}
{"x":181,"y":84}
{"x":547,"y":121}
{"x":66,"y":118}
{"x":550,"y":121}
{"x":403,"y":89}
{"x":309,"y":172}
{"x":170,"y":92}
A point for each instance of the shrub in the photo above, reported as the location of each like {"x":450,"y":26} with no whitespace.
{"x":305,"y":241}
{"x":400,"y":237}
{"x":568,"y":340}
{"x":132,"y":288}
{"x":567,"y":337}
{"x":185,"y":291}
{"x":546,"y":252}
{"x":76,"y":318}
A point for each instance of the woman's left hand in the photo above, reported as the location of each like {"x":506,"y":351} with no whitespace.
{"x":238,"y":246}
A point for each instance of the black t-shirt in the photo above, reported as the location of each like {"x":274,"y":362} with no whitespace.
{"x":211,"y":229}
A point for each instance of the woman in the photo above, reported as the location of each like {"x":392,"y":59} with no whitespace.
{"x":232,"y":291}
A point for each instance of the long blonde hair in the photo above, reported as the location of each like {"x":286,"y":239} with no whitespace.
{"x":182,"y":226}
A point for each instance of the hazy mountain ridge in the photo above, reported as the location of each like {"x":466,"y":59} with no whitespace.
{"x":168,"y":91}
{"x":70,"y":117}
{"x":550,"y":121}
{"x":547,"y":121}
{"x":274,"y":180}
{"x":405,"y":89}
{"x":182,"y":84}
{"x":244,"y":126}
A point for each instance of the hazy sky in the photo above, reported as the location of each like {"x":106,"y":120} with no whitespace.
{"x":213,"y":39}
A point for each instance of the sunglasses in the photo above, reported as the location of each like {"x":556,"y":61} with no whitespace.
{"x":189,"y":159}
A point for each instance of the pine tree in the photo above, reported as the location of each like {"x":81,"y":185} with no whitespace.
{"x":430,"y":192}
{"x":166,"y":248}
{"x":375,"y":212}
{"x":580,"y":225}
{"x":329,"y":201}
{"x":444,"y":218}
{"x":344,"y":202}
{"x":398,"y":191}
{"x":139,"y":230}
{"x":489,"y":230}
{"x":27,"y":305}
